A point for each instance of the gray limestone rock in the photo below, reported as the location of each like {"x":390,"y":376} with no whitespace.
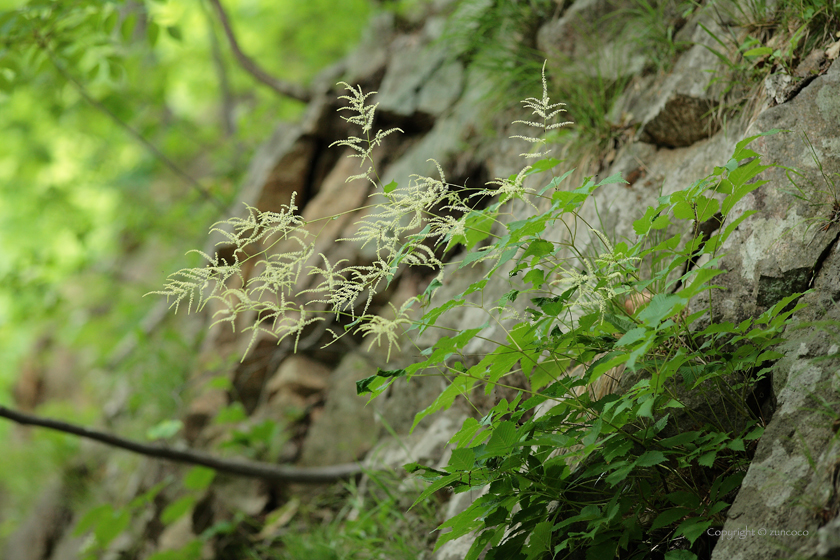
{"x":588,"y":39}
{"x":346,"y":429}
{"x":578,"y":28}
{"x":776,"y":251}
{"x":442,"y":89}
{"x":680,"y":109}
{"x":371,"y":56}
{"x":412,"y":66}
{"x":779,"y":87}
{"x":447,"y":136}
{"x":791,"y":484}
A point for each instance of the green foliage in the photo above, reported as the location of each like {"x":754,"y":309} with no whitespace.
{"x":105,"y":522}
{"x":363,"y":523}
{"x":641,"y":466}
{"x":637,"y":426}
{"x":607,"y":448}
{"x":78,"y":191}
{"x":372,"y":524}
{"x":90,"y":217}
{"x":777,"y":38}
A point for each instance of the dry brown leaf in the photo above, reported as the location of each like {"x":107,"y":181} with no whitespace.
{"x":635,"y":301}
{"x":833,"y":51}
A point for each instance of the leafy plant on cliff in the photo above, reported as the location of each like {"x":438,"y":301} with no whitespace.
{"x":638,"y":419}
{"x":769,"y":38}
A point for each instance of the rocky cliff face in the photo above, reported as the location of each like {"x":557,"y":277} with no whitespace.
{"x":669,"y":141}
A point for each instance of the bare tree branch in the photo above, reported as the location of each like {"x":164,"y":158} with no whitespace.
{"x":228,"y":105}
{"x":238,"y":467}
{"x":288,"y":89}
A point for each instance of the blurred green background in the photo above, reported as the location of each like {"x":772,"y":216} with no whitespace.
{"x":90,"y":218}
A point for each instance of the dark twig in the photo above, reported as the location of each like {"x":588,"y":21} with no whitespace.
{"x":288,"y":89}
{"x":238,"y":467}
{"x":189,"y":179}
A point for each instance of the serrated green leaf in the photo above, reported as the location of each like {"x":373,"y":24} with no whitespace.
{"x":736,"y":444}
{"x":707,"y":459}
{"x":428,"y":473}
{"x":502,"y":440}
{"x":536,"y":277}
{"x":717,"y":508}
{"x":462,"y":459}
{"x":668,"y":517}
{"x":616,"y":448}
{"x":593,"y":432}
{"x":688,"y":500}
{"x":442,"y":482}
{"x":482,"y":253}
{"x":706,"y":208}
{"x":540,"y":540}
{"x":484,"y":539}
{"x":642,"y":225}
{"x":543,"y":165}
{"x":692,"y":528}
{"x":646,"y":408}
{"x":650,"y":458}
{"x":730,"y":483}
{"x":465,"y":436}
{"x":632,"y":336}
{"x":478,"y":226}
{"x":538,"y":248}
{"x":555,"y":182}
{"x":684,"y":211}
{"x":756,"y":433}
{"x":622,"y":471}
{"x":661,"y":306}
{"x":741,"y":150}
{"x":461,"y":385}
